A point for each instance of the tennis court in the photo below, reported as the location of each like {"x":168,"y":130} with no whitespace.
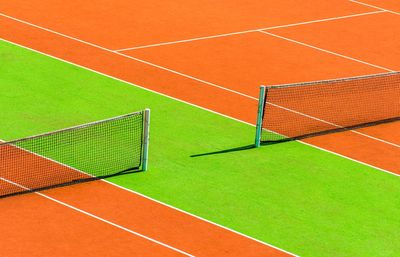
{"x":199,"y":65}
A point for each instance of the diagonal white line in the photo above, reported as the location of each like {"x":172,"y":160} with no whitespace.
{"x":100,"y":219}
{"x":374,"y":6}
{"x":185,"y":75}
{"x":248,"y":31}
{"x":324,"y":20}
{"x":130,"y":57}
{"x":326,"y":51}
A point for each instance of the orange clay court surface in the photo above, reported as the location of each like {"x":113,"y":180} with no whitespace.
{"x":140,"y":41}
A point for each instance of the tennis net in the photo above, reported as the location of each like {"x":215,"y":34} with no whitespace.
{"x":303,"y":110}
{"x":74,"y":155}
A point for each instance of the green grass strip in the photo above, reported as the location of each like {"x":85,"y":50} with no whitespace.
{"x":296,"y":197}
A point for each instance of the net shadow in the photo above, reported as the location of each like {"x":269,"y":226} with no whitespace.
{"x":236,"y":149}
{"x":72,"y":182}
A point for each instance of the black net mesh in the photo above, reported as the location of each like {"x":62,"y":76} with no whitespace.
{"x":298,"y":111}
{"x":83,"y":153}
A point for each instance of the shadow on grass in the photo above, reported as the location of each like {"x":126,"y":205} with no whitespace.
{"x":236,"y":149}
{"x":300,"y":137}
{"x":240,"y":148}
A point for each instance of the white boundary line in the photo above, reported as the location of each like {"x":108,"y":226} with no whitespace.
{"x":354,"y":160}
{"x":374,"y":6}
{"x":101,"y":219}
{"x":126,"y":56}
{"x":194,"y":78}
{"x":326,"y":51}
{"x":249,"y":31}
{"x":178,"y":100}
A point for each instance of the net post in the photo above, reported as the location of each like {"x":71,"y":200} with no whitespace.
{"x":261,"y":100}
{"x":146,"y":131}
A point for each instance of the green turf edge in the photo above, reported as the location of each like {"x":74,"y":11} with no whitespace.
{"x":293,"y":196}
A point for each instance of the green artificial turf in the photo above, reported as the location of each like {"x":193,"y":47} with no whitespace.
{"x":293,"y":196}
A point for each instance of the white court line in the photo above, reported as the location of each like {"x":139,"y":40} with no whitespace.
{"x":374,"y":6}
{"x":100,"y":219}
{"x":194,"y":78}
{"x":127,"y":56}
{"x":248,"y":31}
{"x":327,"y":51}
{"x":190,"y":104}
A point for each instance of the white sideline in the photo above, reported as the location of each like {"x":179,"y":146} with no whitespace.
{"x":194,"y":78}
{"x":126,"y":56}
{"x":248,"y":31}
{"x":178,"y":100}
{"x":326,"y":51}
{"x":100,"y":219}
{"x":374,"y":6}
